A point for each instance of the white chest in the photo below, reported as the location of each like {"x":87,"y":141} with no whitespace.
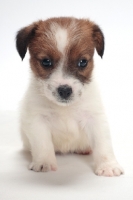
{"x":68,"y":132}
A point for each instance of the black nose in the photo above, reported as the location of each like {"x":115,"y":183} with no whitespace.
{"x":64,"y":91}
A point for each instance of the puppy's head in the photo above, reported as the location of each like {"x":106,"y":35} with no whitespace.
{"x":61,"y":55}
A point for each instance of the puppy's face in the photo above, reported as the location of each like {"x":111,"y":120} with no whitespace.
{"x":61,"y":55}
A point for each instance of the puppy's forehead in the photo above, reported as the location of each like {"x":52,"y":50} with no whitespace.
{"x":61,"y":37}
{"x":61,"y":34}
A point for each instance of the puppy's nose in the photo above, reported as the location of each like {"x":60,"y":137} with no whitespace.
{"x":64,"y":91}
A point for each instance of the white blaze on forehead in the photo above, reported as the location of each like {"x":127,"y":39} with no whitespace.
{"x":61,"y":37}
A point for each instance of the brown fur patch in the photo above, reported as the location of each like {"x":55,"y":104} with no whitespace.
{"x":42,"y":47}
{"x":82,"y":47}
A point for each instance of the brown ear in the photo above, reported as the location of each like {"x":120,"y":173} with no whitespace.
{"x":98,"y":40}
{"x":23,"y":38}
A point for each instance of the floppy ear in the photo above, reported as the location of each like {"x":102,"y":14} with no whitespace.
{"x":98,"y":38}
{"x":23,"y":38}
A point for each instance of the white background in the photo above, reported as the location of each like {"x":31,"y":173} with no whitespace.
{"x":114,"y":73}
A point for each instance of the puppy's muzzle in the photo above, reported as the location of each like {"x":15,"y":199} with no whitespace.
{"x":64,"y":92}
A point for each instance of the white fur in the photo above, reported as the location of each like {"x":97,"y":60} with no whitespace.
{"x":61,"y":39}
{"x":49,"y":126}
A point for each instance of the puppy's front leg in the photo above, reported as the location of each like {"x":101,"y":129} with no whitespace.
{"x":104,"y":159}
{"x":42,"y":150}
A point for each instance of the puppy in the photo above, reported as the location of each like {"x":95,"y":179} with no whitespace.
{"x":62,"y":110}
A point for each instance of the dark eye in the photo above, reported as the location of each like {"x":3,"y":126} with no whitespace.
{"x":82,"y":63}
{"x":46,"y":62}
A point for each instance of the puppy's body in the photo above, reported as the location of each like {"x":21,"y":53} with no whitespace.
{"x":66,"y":123}
{"x":62,"y":110}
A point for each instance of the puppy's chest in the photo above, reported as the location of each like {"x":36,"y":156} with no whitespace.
{"x":68,"y":123}
{"x":68,"y":130}
{"x":64,"y":123}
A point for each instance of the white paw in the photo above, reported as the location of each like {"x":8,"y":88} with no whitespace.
{"x":43,"y":166}
{"x":109,"y":169}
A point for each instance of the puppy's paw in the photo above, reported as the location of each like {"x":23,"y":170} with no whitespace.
{"x":109,"y":169}
{"x":43,"y":166}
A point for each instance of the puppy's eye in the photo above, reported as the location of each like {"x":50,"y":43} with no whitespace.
{"x":46,"y":62}
{"x":82,"y":63}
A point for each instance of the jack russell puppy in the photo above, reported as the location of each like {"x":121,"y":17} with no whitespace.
{"x":62,"y":111}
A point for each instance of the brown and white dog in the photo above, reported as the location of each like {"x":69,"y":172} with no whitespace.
{"x":62,"y":110}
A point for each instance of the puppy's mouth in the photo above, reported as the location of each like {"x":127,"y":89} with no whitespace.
{"x":64,"y":102}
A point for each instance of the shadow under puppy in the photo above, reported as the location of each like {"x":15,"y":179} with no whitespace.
{"x":62,"y":110}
